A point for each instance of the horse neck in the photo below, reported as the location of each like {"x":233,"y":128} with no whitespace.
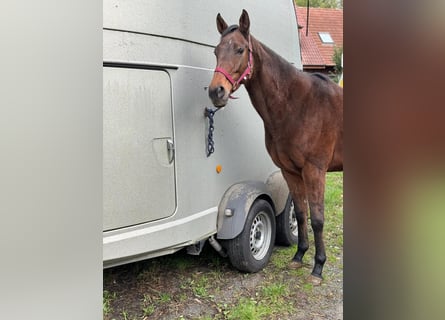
{"x":269,"y":83}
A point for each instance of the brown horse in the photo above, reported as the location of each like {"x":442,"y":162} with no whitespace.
{"x":303,"y":121}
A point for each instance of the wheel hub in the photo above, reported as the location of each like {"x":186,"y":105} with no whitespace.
{"x":259,"y":236}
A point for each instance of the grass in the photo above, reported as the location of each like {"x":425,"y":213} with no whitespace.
{"x":107,"y":301}
{"x":248,"y":309}
{"x":333,"y":231}
{"x":199,"y":286}
{"x":164,"y":297}
{"x":275,"y":291}
{"x":281,"y":257}
{"x":270,"y":302}
{"x":125,"y":315}
{"x":170,"y":285}
{"x":148,"y":311}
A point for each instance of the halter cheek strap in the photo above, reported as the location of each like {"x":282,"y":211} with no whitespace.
{"x":244,"y":76}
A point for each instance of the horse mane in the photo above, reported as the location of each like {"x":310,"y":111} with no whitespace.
{"x":229,"y":30}
{"x":321,"y":76}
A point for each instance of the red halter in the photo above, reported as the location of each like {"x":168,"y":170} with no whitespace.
{"x":244,"y":76}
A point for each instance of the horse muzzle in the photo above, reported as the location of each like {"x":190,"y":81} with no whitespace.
{"x":219,"y":96}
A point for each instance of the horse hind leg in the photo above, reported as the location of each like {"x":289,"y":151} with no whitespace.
{"x":314,"y":179}
{"x":298,"y":192}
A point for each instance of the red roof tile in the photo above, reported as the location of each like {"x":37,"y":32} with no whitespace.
{"x":313,"y":51}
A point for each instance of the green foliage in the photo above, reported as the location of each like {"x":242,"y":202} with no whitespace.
{"x":333,"y":230}
{"x":336,"y":57}
{"x":338,"y":69}
{"x":321,"y":3}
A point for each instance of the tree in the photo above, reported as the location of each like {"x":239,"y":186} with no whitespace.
{"x":321,"y":3}
{"x":336,"y":57}
{"x":338,"y":69}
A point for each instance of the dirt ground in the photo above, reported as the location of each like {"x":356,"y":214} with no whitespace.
{"x":180,"y":286}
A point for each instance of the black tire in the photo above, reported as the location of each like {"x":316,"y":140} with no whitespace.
{"x":250,"y":251}
{"x":287,"y":226}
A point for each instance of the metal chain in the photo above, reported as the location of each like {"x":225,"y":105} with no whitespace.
{"x":209,"y":113}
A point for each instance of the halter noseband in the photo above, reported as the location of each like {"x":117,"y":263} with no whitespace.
{"x":244,"y":76}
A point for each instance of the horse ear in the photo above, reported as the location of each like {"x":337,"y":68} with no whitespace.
{"x":244,"y":23}
{"x":221,"y":25}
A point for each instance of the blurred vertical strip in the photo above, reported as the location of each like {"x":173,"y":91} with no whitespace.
{"x":51,"y":160}
{"x":395,"y":158}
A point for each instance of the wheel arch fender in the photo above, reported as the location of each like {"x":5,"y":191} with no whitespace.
{"x":235,"y":205}
{"x":279,"y":191}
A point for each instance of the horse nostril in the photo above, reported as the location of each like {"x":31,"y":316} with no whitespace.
{"x":217,"y":93}
{"x":220,"y":92}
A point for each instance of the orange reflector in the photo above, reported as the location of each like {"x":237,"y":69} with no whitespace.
{"x":218,"y":168}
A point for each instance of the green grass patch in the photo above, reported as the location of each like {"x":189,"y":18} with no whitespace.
{"x":199,"y":286}
{"x":271,"y":300}
{"x":248,"y":309}
{"x":164,"y":297}
{"x":307,"y":287}
{"x":147,"y":306}
{"x":148,"y":310}
{"x":275,"y":297}
{"x":125,"y":315}
{"x":333,"y":229}
{"x":274,"y":291}
{"x":299,"y":273}
{"x":282,"y":256}
{"x":107,"y":301}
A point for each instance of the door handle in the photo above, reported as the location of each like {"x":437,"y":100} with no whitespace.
{"x":170,"y":150}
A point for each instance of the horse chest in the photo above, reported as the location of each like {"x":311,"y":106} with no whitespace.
{"x":283,"y":155}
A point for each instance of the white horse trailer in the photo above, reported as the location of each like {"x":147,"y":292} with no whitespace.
{"x":162,"y":192}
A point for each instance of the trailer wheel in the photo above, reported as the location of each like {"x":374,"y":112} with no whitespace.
{"x":251,"y":249}
{"x":287,"y":225}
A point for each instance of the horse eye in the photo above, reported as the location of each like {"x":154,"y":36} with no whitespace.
{"x":240,"y":51}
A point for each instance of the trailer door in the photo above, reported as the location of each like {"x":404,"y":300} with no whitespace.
{"x":138,"y":149}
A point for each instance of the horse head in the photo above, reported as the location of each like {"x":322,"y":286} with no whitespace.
{"x":233,"y":59}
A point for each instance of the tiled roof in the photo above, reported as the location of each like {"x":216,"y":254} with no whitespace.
{"x":313,"y":51}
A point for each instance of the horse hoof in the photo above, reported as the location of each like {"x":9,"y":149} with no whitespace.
{"x":314,"y":280}
{"x":295,"y":264}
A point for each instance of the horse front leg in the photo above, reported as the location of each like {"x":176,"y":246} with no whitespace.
{"x":314,"y":179}
{"x":298,"y":192}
